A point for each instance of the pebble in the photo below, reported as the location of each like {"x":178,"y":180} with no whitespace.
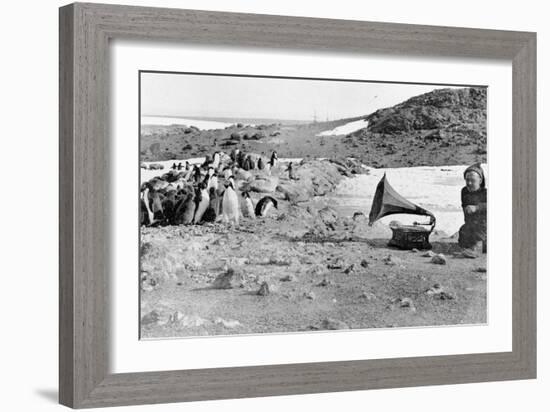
{"x":227,"y":280}
{"x":230,"y":324}
{"x":324,"y":282}
{"x":406,"y":303}
{"x":364,"y":263}
{"x":439,"y":259}
{"x":349,"y":269}
{"x":150,"y":318}
{"x":333,"y":324}
{"x":337,"y":263}
{"x":309,"y":295}
{"x":391,"y":260}
{"x":264,"y":289}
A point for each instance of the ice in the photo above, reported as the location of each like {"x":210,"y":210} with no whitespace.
{"x":167,"y":121}
{"x":346,"y":128}
{"x":435,"y":188}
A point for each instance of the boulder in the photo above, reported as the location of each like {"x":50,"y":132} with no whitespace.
{"x":439,"y":259}
{"x":263,"y":184}
{"x":228,"y":280}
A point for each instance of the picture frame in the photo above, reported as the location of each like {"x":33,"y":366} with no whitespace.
{"x":85,"y":33}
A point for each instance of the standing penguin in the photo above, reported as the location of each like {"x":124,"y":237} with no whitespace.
{"x":145,"y":200}
{"x":247,"y":205}
{"x":230,"y":204}
{"x":188,"y":211}
{"x":211,"y":212}
{"x":213,"y":179}
{"x":263,"y":206}
{"x":202,"y":200}
{"x":261,"y":164}
{"x":196,"y":174}
{"x":216,"y":161}
{"x":290,"y":171}
{"x":274,"y":159}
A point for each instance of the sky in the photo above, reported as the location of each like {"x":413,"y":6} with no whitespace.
{"x":174,"y":94}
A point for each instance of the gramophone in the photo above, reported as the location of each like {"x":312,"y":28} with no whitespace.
{"x":388,"y":202}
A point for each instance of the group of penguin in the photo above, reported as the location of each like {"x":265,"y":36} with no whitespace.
{"x":193,"y":194}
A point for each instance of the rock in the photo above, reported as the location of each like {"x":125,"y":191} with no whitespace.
{"x":264,"y":289}
{"x":391,"y":260}
{"x":439,"y":259}
{"x":309,"y":295}
{"x":333,"y":324}
{"x":294,"y":192}
{"x":434,"y":289}
{"x":406,"y":303}
{"x":429,"y":253}
{"x":328,"y":216}
{"x":349,"y":269}
{"x":480,"y":270}
{"x":324,"y":282}
{"x":367,"y":295}
{"x":149,"y":318}
{"x":444,"y":296}
{"x":148,"y":283}
{"x":287,"y":278}
{"x":237,"y":261}
{"x":336,"y":263}
{"x":187,"y":321}
{"x":364,"y":263}
{"x":229,"y":324}
{"x":227,"y":280}
{"x":263,"y":184}
{"x":414,"y":250}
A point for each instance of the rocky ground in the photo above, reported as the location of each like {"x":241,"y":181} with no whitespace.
{"x":301,"y":269}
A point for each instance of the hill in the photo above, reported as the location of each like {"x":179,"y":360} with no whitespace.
{"x":442,"y":127}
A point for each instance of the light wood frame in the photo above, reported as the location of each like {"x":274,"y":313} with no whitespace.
{"x":85,"y":31}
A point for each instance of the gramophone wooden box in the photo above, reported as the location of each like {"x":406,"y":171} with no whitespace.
{"x":410,"y":237}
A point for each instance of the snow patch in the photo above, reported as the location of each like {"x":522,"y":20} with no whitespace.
{"x":346,"y":128}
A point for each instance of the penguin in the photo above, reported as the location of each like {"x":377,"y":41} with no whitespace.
{"x":261,"y":165}
{"x":250,"y":163}
{"x":174,"y":167}
{"x":263,"y":206}
{"x":187,"y":165}
{"x":227,"y":173}
{"x":145,"y":200}
{"x":235,"y":155}
{"x":274,"y":159}
{"x":180,"y":166}
{"x":247,"y":205}
{"x":187,"y":209}
{"x":212,"y":180}
{"x":216,"y":161}
{"x":202,"y":200}
{"x":240,"y":159}
{"x":230,"y":204}
{"x":169,"y":205}
{"x":196,"y":174}
{"x":211,"y":212}
{"x":290,"y":171}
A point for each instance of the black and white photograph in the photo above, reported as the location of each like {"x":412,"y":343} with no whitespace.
{"x":298,"y":205}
